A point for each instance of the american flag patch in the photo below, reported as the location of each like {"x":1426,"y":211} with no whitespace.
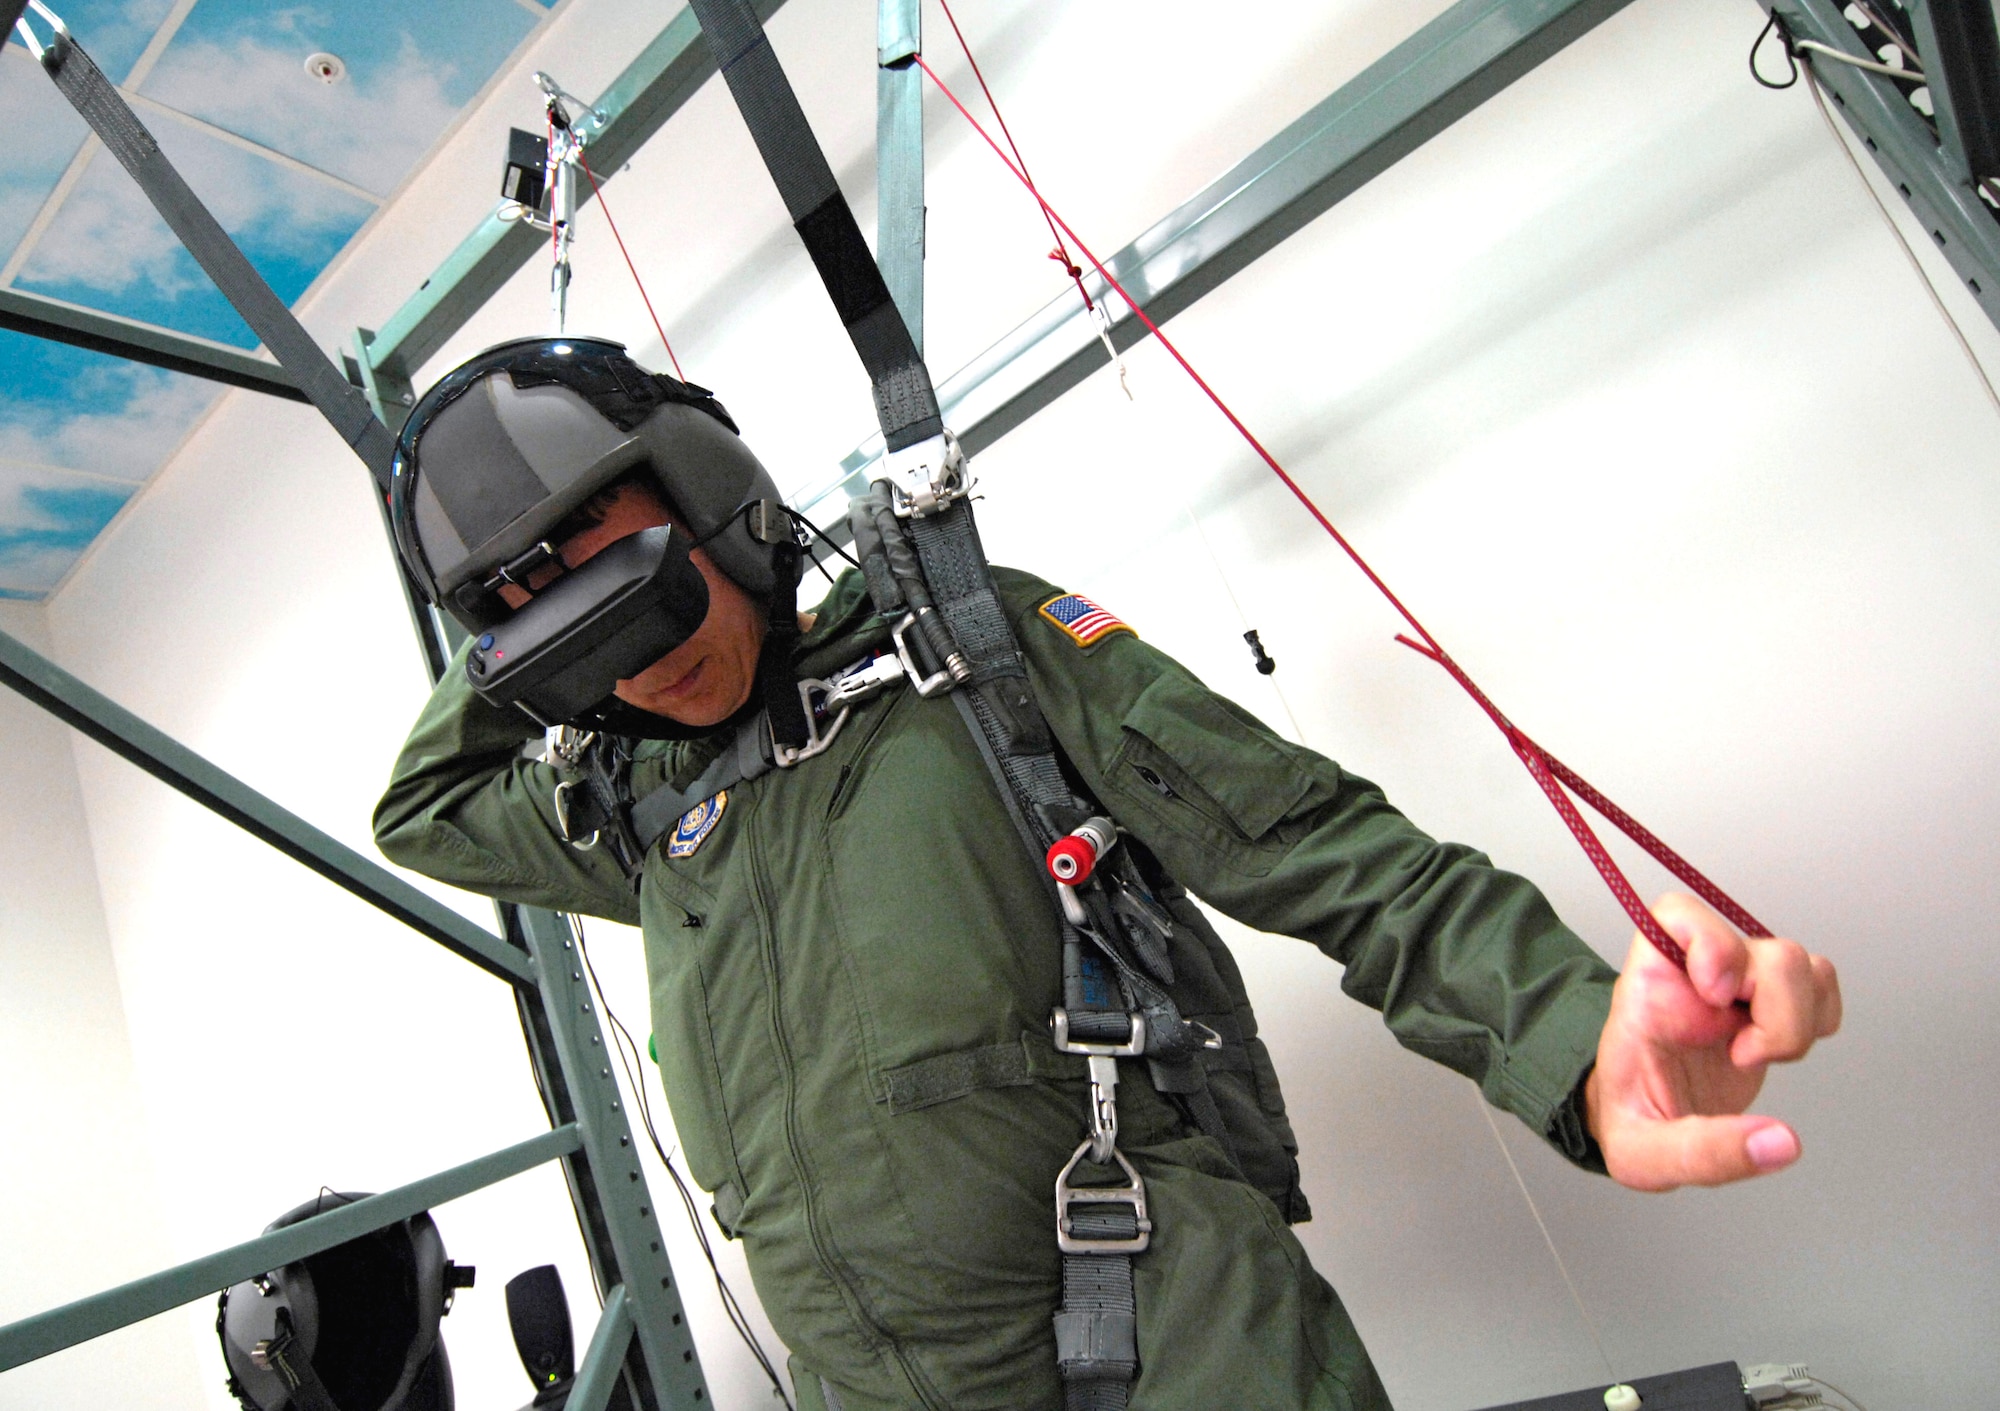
{"x":1083,"y":621}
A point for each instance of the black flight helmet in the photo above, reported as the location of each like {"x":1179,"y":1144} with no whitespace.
{"x":352,"y":1328}
{"x":504,"y":449}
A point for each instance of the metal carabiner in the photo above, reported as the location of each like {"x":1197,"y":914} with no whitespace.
{"x":1132,"y":1193}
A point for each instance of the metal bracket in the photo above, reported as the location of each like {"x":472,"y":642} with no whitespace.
{"x":926,"y":477}
{"x":1132,"y":1193}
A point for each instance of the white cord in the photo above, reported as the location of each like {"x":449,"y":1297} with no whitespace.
{"x":1846,"y":58}
{"x":1589,"y":1323}
{"x":1844,"y":1396}
{"x":1978,"y":368}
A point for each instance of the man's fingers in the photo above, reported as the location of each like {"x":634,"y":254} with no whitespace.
{"x":1794,"y":999}
{"x":1699,"y":1151}
{"x":1828,"y":982}
{"x":1718,"y":959}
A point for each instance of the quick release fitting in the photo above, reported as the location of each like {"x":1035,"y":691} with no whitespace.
{"x":1073,"y":857}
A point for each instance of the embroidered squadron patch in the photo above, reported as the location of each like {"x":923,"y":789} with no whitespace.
{"x":1082,"y":621}
{"x":696,"y":824}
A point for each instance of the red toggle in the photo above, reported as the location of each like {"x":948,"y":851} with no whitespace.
{"x":1071,"y":859}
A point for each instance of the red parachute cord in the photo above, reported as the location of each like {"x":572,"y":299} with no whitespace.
{"x":599,"y":194}
{"x":1548,"y":772}
{"x":1061,"y":253}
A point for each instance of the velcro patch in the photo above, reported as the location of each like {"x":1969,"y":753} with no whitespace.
{"x":696,"y":824}
{"x":1081,"y":620}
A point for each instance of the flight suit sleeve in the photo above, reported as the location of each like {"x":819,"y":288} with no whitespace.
{"x":1467,"y":963}
{"x":466,"y":807}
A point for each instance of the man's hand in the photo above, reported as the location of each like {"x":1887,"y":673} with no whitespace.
{"x":1679,"y":1060}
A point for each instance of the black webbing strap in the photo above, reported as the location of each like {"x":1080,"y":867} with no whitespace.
{"x":127,"y":139}
{"x":905,"y":405}
{"x":304,"y":1390}
{"x":745,"y":757}
{"x":1097,"y":1330}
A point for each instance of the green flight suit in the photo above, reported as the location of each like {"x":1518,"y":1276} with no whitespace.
{"x":852,"y":974}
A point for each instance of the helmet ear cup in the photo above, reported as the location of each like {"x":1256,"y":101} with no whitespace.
{"x":708,"y":475}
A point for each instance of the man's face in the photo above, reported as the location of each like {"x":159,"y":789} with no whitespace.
{"x":708,"y":677}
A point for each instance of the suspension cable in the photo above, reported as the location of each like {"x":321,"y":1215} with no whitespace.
{"x":598,"y":192}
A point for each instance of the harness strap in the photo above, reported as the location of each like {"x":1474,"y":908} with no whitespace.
{"x":905,"y":404}
{"x":746,"y":757}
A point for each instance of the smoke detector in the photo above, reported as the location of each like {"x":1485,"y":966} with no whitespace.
{"x":327,"y":68}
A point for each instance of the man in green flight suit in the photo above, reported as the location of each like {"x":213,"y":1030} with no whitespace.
{"x":853,"y":960}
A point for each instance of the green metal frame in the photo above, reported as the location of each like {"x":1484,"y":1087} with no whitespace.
{"x":143,"y":343}
{"x":899,"y":158}
{"x":1422,"y":86}
{"x":101,"y":1313}
{"x":591,"y":1133}
{"x":1931,"y":169}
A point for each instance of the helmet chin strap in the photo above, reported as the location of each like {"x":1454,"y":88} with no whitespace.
{"x":776,"y":682}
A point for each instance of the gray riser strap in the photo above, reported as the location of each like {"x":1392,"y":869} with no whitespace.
{"x":127,"y":139}
{"x":905,"y":404}
{"x":744,"y":759}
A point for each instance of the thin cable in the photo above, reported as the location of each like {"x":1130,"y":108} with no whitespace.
{"x":1937,"y":302}
{"x":621,"y":1040}
{"x":1895,"y":36}
{"x":1545,"y":769}
{"x":1772,"y":26}
{"x":1844,"y":1396}
{"x":584,"y":162}
{"x":1061,"y":253}
{"x":1589,"y":1323}
{"x":1891,"y":70}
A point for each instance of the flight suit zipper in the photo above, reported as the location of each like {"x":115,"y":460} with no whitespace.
{"x":830,"y":1264}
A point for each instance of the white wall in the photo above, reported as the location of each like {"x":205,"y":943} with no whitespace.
{"x":1621,"y":381}
{"x":79,"y":1210}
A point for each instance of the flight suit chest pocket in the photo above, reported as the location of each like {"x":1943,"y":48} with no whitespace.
{"x":1210,"y":772}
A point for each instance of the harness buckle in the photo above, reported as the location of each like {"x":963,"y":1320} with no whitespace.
{"x":1132,"y":1193}
{"x":926,"y":477}
{"x":817,"y":740}
{"x":926,"y":686}
{"x":1133,"y":1047}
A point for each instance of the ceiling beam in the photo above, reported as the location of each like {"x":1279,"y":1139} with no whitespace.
{"x":144,"y":343}
{"x":639,"y":101}
{"x":1931,"y":175}
{"x":1421,"y":87}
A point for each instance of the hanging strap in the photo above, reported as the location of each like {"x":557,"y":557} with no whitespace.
{"x":126,"y":138}
{"x":904,"y":402}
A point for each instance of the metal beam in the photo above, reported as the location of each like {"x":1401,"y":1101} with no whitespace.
{"x":1442,"y":72}
{"x":166,"y":759}
{"x":91,"y":1317}
{"x":620,"y":1221}
{"x":143,"y":343}
{"x":1961,"y":61}
{"x":591,"y":1391}
{"x":1963,"y":227}
{"x":899,"y":158}
{"x":652,"y":89}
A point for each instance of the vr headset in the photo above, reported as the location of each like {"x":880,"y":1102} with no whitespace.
{"x":619,"y":612}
